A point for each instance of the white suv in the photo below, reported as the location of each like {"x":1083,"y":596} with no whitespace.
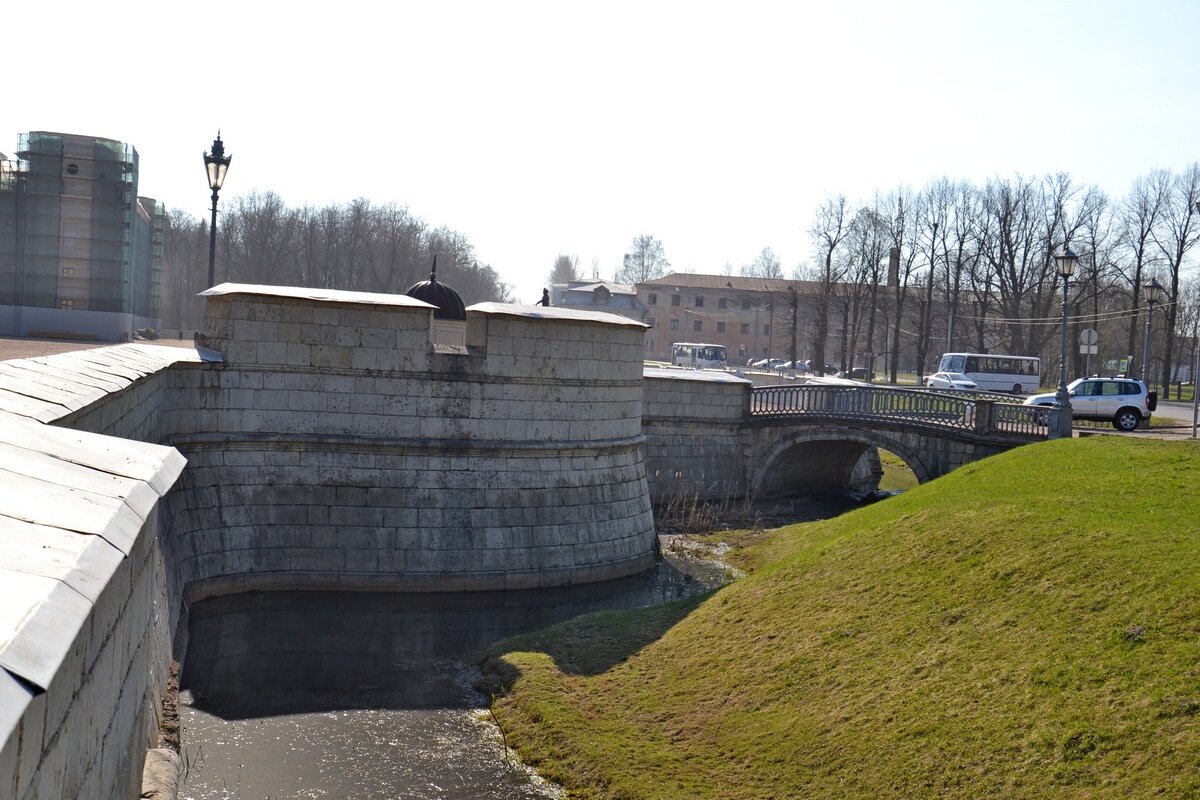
{"x":1123,"y":401}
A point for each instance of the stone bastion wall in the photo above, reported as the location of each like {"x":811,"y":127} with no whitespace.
{"x":328,"y":445}
{"x":336,"y":448}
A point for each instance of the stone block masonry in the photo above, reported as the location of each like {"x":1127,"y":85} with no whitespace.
{"x":329,"y":445}
{"x":335,"y":448}
{"x":693,"y":425}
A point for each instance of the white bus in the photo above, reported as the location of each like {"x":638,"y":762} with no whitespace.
{"x":698,"y":356}
{"x":996,"y":373}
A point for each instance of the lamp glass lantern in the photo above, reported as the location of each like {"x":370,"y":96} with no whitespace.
{"x":217,"y":164}
{"x":1153,"y":292}
{"x":1066,"y":263}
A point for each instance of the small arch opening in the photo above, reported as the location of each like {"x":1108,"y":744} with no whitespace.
{"x":896,"y":475}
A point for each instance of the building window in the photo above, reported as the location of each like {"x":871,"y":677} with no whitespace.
{"x":699,"y":302}
{"x":745,"y":303}
{"x":722,"y":302}
{"x":674,"y":324}
{"x":67,"y":304}
{"x":68,"y":272}
{"x":766,"y":330}
{"x":745,"y":329}
{"x":650,"y":321}
{"x":698,"y":325}
{"x":765,"y":352}
{"x":649,"y":345}
{"x":674,"y":299}
{"x":652,"y":299}
{"x":720,"y":327}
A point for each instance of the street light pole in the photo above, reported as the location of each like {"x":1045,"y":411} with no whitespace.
{"x":1062,"y":414}
{"x":1154,"y":294}
{"x":216,"y":164}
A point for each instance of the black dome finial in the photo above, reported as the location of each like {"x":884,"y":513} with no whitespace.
{"x":433,"y":272}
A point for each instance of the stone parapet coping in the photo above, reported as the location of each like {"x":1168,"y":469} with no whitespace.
{"x":318,"y":295}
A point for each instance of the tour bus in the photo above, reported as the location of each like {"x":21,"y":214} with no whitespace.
{"x":698,"y":356}
{"x":996,"y":373}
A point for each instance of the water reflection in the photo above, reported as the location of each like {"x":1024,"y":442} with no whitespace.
{"x":322,"y":694}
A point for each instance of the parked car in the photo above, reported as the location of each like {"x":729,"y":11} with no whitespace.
{"x":1123,"y":401}
{"x":769,"y":363}
{"x":949,"y":380}
{"x":830,"y":369}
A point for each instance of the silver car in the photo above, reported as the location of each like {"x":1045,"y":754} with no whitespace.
{"x":1123,"y":401}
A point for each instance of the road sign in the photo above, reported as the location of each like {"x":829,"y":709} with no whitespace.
{"x":1088,"y":349}
{"x":1088,"y":336}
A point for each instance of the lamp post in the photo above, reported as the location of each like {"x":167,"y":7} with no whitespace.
{"x":216,"y":164}
{"x":1154,"y":294}
{"x":1060,"y":427}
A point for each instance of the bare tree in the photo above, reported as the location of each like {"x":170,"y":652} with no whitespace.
{"x":565,"y":270}
{"x":185,"y":265}
{"x":828,"y":229}
{"x":766,"y":265}
{"x":1140,"y":213}
{"x":645,"y":260}
{"x":1176,"y":234}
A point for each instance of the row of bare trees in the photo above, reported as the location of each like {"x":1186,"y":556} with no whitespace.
{"x":972,"y":267}
{"x":358,"y":246}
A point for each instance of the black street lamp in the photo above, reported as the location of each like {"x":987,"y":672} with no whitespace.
{"x":1154,"y":294}
{"x":1060,"y":427}
{"x":216,"y":164}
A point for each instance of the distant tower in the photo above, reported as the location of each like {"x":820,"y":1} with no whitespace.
{"x":75,"y":237}
{"x":449,"y":316}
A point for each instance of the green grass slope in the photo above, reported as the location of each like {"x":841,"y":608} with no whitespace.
{"x":1028,"y":626}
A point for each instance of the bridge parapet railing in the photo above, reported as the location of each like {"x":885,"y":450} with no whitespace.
{"x":944,"y":410}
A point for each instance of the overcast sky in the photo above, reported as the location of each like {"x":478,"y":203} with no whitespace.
{"x":572,"y":127}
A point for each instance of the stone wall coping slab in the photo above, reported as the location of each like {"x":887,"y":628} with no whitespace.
{"x":318,"y":295}
{"x":552,"y":313}
{"x":666,"y":373}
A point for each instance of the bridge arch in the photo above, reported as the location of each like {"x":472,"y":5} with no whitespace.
{"x":819,"y":457}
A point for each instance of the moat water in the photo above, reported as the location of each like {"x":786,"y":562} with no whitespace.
{"x":340,"y":695}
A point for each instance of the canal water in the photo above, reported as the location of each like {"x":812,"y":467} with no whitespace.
{"x":364,"y":695}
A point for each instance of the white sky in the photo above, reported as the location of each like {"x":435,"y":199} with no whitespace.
{"x":536,"y":128}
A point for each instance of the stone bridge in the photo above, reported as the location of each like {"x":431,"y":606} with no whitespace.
{"x":715,"y":436}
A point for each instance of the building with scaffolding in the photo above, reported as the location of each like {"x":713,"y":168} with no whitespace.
{"x":80,"y":252}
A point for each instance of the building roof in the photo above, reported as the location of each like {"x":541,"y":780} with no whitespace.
{"x":737,"y":283}
{"x":614,"y":288}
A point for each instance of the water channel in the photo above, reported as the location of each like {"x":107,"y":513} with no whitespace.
{"x":328,"y":695}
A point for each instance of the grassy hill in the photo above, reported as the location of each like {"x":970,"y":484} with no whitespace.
{"x":1028,"y":626}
